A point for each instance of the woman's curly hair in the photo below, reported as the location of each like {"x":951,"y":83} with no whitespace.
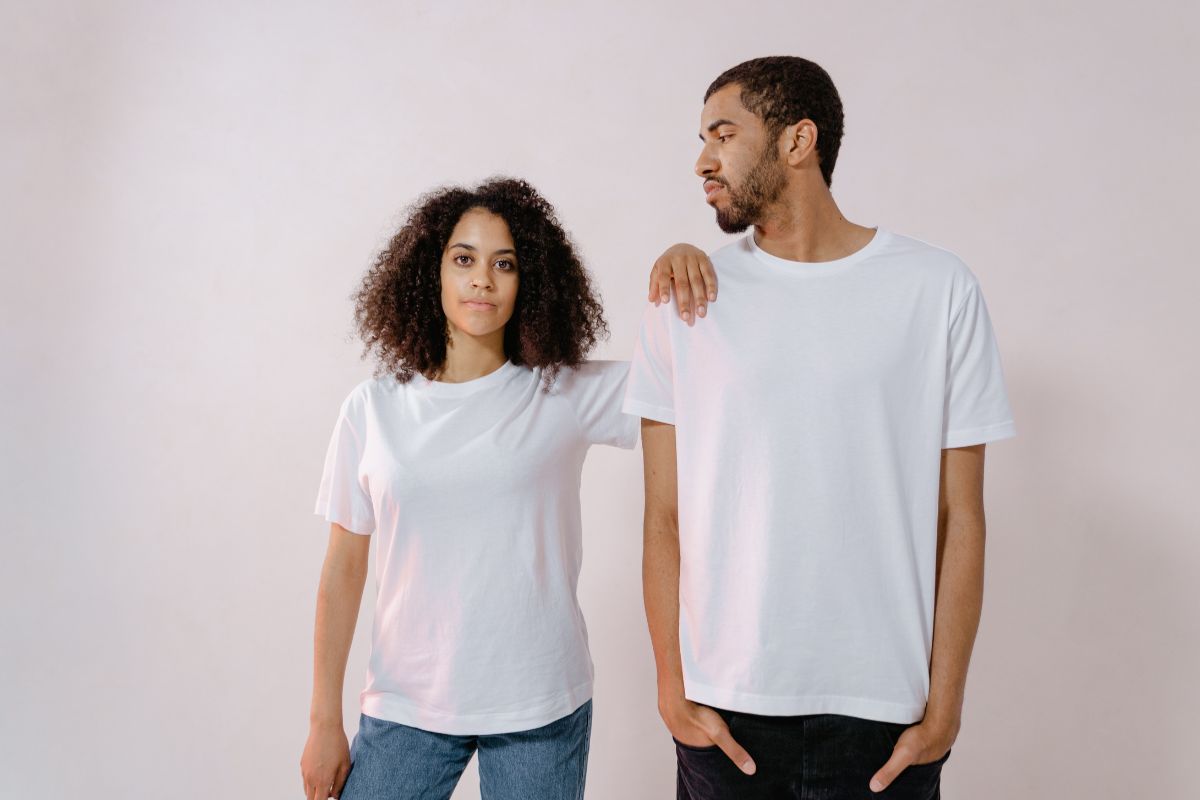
{"x":556,"y":320}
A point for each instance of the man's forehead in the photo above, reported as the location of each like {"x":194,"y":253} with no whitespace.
{"x":725,"y":103}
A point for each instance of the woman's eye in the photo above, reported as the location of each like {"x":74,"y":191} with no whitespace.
{"x":462,"y":260}
{"x":505,"y":265}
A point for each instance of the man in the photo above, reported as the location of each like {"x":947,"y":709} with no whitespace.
{"x":814,"y":537}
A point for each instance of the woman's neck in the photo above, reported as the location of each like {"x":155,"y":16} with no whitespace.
{"x":469,"y":357}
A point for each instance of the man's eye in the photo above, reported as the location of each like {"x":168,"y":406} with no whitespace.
{"x":724,"y":137}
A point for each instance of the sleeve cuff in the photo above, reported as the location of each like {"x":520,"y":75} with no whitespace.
{"x":648,"y":411}
{"x":964,"y":437}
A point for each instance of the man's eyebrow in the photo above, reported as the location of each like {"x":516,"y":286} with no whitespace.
{"x":718,"y":123}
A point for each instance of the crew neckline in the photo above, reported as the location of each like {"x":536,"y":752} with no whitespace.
{"x":806,"y":268}
{"x":464,"y":388}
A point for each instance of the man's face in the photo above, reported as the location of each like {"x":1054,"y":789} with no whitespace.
{"x":741,"y":166}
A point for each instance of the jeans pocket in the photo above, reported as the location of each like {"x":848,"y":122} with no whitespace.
{"x":691,"y":748}
{"x":932,"y":765}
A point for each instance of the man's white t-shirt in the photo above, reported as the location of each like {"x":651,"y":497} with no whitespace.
{"x":811,"y":406}
{"x":472,"y":490}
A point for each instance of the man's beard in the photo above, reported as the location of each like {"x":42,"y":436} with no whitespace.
{"x":762,"y":186}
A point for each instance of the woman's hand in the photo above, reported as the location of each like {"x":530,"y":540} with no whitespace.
{"x":326,"y":761}
{"x":689,"y":269}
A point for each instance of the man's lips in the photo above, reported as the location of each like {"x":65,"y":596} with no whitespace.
{"x":711,"y":188}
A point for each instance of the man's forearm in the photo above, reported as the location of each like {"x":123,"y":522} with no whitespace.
{"x":660,"y":589}
{"x":660,"y":554}
{"x":958,"y":605}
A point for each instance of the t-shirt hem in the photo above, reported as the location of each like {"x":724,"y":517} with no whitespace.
{"x":648,"y":411}
{"x":795,"y":705}
{"x":391,"y":708}
{"x":988,"y":433}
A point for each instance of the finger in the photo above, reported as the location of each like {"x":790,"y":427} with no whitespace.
{"x":683,"y":293}
{"x":664,"y":281}
{"x":710,"y":277}
{"x":696,"y":281}
{"x":901,"y":758}
{"x":737,"y":754}
{"x":652,"y":292}
{"x":339,"y":781}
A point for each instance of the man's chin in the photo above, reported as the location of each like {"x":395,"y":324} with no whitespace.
{"x":731,"y":224}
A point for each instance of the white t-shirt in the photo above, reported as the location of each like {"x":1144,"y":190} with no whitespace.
{"x":811,"y":407}
{"x":473,"y":492}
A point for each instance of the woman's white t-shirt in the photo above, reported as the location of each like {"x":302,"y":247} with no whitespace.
{"x":472,"y":490}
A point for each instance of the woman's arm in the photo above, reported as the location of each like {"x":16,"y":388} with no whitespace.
{"x":326,"y":759}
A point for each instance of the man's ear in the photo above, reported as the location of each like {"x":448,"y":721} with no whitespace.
{"x":800,"y":140}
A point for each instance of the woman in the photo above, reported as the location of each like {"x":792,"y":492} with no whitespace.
{"x":464,"y":458}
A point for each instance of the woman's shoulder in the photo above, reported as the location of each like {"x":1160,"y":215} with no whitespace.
{"x":592,"y":371}
{"x":588,"y":378}
{"x":367,"y":390}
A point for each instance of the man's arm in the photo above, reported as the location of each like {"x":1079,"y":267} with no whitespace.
{"x":693,"y":724}
{"x":958,"y":602}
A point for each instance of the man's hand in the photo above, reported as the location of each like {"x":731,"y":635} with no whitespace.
{"x":687,"y":268}
{"x":696,"y":725}
{"x":919,"y":744}
{"x":326,"y":762}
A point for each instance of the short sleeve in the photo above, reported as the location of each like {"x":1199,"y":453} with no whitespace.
{"x":651,"y":389}
{"x":343,"y":497}
{"x":595,"y":389}
{"x":976,"y":407}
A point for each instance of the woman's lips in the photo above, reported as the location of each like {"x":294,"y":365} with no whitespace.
{"x":478,"y":305}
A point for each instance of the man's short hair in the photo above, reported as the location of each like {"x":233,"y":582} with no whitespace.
{"x":782,"y":90}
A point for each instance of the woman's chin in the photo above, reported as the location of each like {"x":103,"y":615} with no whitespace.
{"x":478,"y":329}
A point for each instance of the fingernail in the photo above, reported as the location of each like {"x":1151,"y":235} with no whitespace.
{"x":749,"y":768}
{"x":876,"y":786}
{"x":665,"y":298}
{"x":712,"y":296}
{"x":700,"y":310}
{"x":686,"y":316}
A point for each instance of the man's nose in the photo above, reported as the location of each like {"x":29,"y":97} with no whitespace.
{"x":706,"y":165}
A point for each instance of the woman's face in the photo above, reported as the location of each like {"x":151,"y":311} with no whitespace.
{"x":479,"y":275}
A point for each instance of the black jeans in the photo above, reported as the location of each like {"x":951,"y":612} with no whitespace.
{"x":810,"y":757}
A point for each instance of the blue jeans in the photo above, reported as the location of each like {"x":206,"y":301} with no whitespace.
{"x":390,"y":761}
{"x":811,"y":757}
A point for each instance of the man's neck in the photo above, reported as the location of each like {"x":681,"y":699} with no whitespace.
{"x":810,"y":229}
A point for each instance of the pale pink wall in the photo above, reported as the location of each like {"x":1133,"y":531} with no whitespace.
{"x":190,"y":192}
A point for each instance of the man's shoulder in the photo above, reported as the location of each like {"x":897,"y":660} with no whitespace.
{"x":730,"y":251}
{"x":923,"y":254}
